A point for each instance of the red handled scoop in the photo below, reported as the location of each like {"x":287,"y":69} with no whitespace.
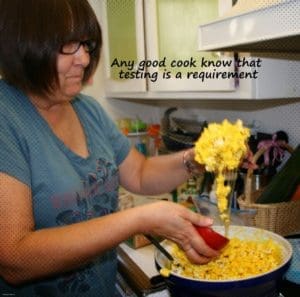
{"x":212,"y":238}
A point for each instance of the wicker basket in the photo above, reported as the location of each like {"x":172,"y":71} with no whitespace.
{"x":282,"y":218}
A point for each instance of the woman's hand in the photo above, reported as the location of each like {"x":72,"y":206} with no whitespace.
{"x":175,"y":222}
{"x":193,"y":167}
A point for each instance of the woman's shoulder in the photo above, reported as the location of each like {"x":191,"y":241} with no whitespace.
{"x":7,"y":92}
{"x":11,"y":99}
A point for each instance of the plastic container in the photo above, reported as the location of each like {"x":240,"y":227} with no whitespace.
{"x":141,"y":141}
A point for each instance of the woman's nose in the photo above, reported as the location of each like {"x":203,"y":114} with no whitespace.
{"x":82,"y":56}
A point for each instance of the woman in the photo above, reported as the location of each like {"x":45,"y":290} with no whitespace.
{"x":62,"y":160}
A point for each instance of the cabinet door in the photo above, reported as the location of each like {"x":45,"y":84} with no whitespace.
{"x":123,"y":34}
{"x":171,"y":38}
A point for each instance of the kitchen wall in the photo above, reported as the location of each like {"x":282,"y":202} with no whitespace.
{"x":267,"y":115}
{"x":121,"y":108}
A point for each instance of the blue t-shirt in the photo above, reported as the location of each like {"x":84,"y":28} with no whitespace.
{"x":66,"y":188}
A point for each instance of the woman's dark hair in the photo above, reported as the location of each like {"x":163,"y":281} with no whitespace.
{"x":31,"y":35}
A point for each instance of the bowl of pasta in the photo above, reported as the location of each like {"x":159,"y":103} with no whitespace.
{"x":250,"y":265}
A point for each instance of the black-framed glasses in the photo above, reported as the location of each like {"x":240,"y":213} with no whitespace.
{"x":72,"y":47}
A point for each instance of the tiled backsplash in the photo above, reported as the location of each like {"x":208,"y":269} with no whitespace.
{"x":269,"y":115}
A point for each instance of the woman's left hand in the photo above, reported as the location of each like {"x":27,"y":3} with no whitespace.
{"x":193,"y":167}
{"x":175,"y":222}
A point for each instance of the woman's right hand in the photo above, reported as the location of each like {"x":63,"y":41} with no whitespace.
{"x":175,"y":222}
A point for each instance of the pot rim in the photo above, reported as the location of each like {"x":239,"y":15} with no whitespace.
{"x":269,"y":275}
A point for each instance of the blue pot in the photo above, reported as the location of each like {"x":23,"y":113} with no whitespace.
{"x":262,"y":285}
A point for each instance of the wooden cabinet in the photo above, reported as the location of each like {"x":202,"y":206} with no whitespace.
{"x":171,"y":36}
{"x":269,"y":30}
{"x":151,"y":46}
{"x":122,"y":24}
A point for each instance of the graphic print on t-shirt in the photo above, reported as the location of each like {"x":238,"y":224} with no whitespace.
{"x":96,"y":199}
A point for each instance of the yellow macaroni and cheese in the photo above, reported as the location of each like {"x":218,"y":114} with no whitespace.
{"x":221,"y":147}
{"x":241,"y":258}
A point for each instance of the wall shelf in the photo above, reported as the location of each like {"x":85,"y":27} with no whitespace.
{"x":272,"y":28}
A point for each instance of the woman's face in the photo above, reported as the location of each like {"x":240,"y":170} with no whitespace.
{"x":71,"y":71}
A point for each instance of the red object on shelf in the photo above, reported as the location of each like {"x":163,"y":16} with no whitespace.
{"x":153,"y":130}
{"x":212,"y":238}
{"x":296,"y":195}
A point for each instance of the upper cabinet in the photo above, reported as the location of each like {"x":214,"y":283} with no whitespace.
{"x":256,"y":26}
{"x":161,"y":49}
{"x":171,"y":37}
{"x":124,"y":43}
{"x":269,"y":30}
{"x":151,"y":46}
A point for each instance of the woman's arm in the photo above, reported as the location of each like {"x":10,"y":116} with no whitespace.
{"x":154,"y":175}
{"x":27,"y":254}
